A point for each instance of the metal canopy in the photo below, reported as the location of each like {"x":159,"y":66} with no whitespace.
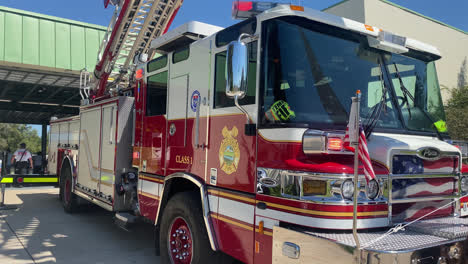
{"x":40,"y":61}
{"x":33,"y":97}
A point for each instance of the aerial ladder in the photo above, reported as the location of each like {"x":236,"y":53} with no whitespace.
{"x":127,"y":42}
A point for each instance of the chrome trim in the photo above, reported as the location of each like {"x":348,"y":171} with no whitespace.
{"x":410,"y":176}
{"x":291,"y":186}
{"x":204,"y":201}
{"x":291,"y":250}
{"x":424,"y":199}
{"x":443,"y":154}
{"x":421,"y":153}
{"x":315,"y":142}
{"x":93,"y":200}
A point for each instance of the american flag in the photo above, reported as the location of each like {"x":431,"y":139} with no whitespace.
{"x":355,"y":132}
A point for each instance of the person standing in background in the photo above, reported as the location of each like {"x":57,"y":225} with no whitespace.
{"x":22,"y":158}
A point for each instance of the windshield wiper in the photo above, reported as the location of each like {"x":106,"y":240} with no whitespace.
{"x":375,"y":115}
{"x":407,"y":94}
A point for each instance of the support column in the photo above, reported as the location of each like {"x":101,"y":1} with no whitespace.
{"x":43,"y":147}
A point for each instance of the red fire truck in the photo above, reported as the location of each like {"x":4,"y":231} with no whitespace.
{"x":231,"y":140}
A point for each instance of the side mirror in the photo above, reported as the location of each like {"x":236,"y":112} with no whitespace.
{"x":236,"y":69}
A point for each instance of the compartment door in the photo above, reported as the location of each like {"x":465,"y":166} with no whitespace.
{"x":88,"y":165}
{"x":52,"y":156}
{"x":108,"y":143}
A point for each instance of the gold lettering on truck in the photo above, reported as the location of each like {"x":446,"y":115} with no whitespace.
{"x":184,"y":159}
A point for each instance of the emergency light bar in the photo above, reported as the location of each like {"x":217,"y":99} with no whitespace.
{"x":248,"y":9}
{"x":389,"y":42}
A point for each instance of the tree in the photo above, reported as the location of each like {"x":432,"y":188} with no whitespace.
{"x":457,"y":113}
{"x":462,"y":81}
{"x":11,"y":135}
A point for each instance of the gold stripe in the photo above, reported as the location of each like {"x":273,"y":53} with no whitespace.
{"x":232,"y":222}
{"x":148,"y":195}
{"x":150,"y":178}
{"x":236,"y":197}
{"x":323,"y":213}
{"x":29,"y":180}
{"x":264,"y":232}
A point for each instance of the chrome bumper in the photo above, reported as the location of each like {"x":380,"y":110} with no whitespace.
{"x":440,"y":240}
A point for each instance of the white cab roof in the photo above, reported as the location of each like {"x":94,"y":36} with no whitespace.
{"x":182,"y":36}
{"x":326,"y":18}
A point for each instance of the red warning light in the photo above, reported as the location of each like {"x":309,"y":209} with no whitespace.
{"x":244,"y":6}
{"x":139,"y":74}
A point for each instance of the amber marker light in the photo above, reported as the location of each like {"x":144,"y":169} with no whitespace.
{"x":297,"y":8}
{"x":335,"y":144}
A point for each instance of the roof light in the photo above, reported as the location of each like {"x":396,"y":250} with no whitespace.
{"x":248,"y":9}
{"x":389,"y":42}
{"x":139,"y":74}
{"x":297,"y":8}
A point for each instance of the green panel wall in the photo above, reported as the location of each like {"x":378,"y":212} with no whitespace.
{"x":46,"y":43}
{"x":36,"y":39}
{"x":2,"y":36}
{"x":78,"y":58}
{"x":30,"y":40}
{"x":92,"y":43}
{"x":13,"y":37}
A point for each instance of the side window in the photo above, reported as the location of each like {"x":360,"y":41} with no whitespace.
{"x":180,"y":55}
{"x":156,"y":94}
{"x":157,"y":63}
{"x":220,"y":98}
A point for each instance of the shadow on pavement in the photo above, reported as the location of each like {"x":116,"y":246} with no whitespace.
{"x":50,"y":235}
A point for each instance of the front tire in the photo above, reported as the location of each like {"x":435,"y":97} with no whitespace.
{"x":183,"y":238}
{"x":69,"y":199}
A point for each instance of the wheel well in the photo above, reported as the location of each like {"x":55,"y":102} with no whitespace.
{"x":66,"y":167}
{"x":173,"y":186}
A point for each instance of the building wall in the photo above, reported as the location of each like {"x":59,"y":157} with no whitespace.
{"x":452,"y":43}
{"x":352,"y":9}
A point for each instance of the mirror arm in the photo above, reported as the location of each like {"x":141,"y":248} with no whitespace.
{"x":236,"y":102}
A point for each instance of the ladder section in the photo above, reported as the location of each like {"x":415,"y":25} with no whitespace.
{"x":134,"y":25}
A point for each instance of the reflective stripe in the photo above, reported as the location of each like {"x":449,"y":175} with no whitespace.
{"x":7,"y":180}
{"x":29,"y":180}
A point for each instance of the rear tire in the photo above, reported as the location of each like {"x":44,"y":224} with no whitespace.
{"x":69,"y":199}
{"x":183,"y":238}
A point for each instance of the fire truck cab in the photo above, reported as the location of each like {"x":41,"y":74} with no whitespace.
{"x":231,"y":140}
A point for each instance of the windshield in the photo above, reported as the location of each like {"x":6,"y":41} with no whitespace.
{"x":310,"y":72}
{"x":418,"y":93}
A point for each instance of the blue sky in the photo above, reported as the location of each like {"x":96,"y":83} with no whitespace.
{"x":218,"y":12}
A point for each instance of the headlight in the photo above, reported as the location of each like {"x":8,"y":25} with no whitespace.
{"x":372,"y":189}
{"x":347,"y":189}
{"x":464,"y":184}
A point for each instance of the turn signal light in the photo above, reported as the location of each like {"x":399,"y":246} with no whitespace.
{"x":335,"y":144}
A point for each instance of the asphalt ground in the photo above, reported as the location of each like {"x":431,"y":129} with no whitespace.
{"x":39,"y":231}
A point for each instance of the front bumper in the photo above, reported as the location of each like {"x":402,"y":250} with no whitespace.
{"x":441,"y":240}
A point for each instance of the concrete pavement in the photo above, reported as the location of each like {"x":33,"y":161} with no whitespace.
{"x":39,"y":231}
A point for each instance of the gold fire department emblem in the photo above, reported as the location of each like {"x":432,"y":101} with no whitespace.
{"x":229,"y":153}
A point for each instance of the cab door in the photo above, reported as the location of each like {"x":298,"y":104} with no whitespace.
{"x":178,"y":156}
{"x":154,"y":124}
